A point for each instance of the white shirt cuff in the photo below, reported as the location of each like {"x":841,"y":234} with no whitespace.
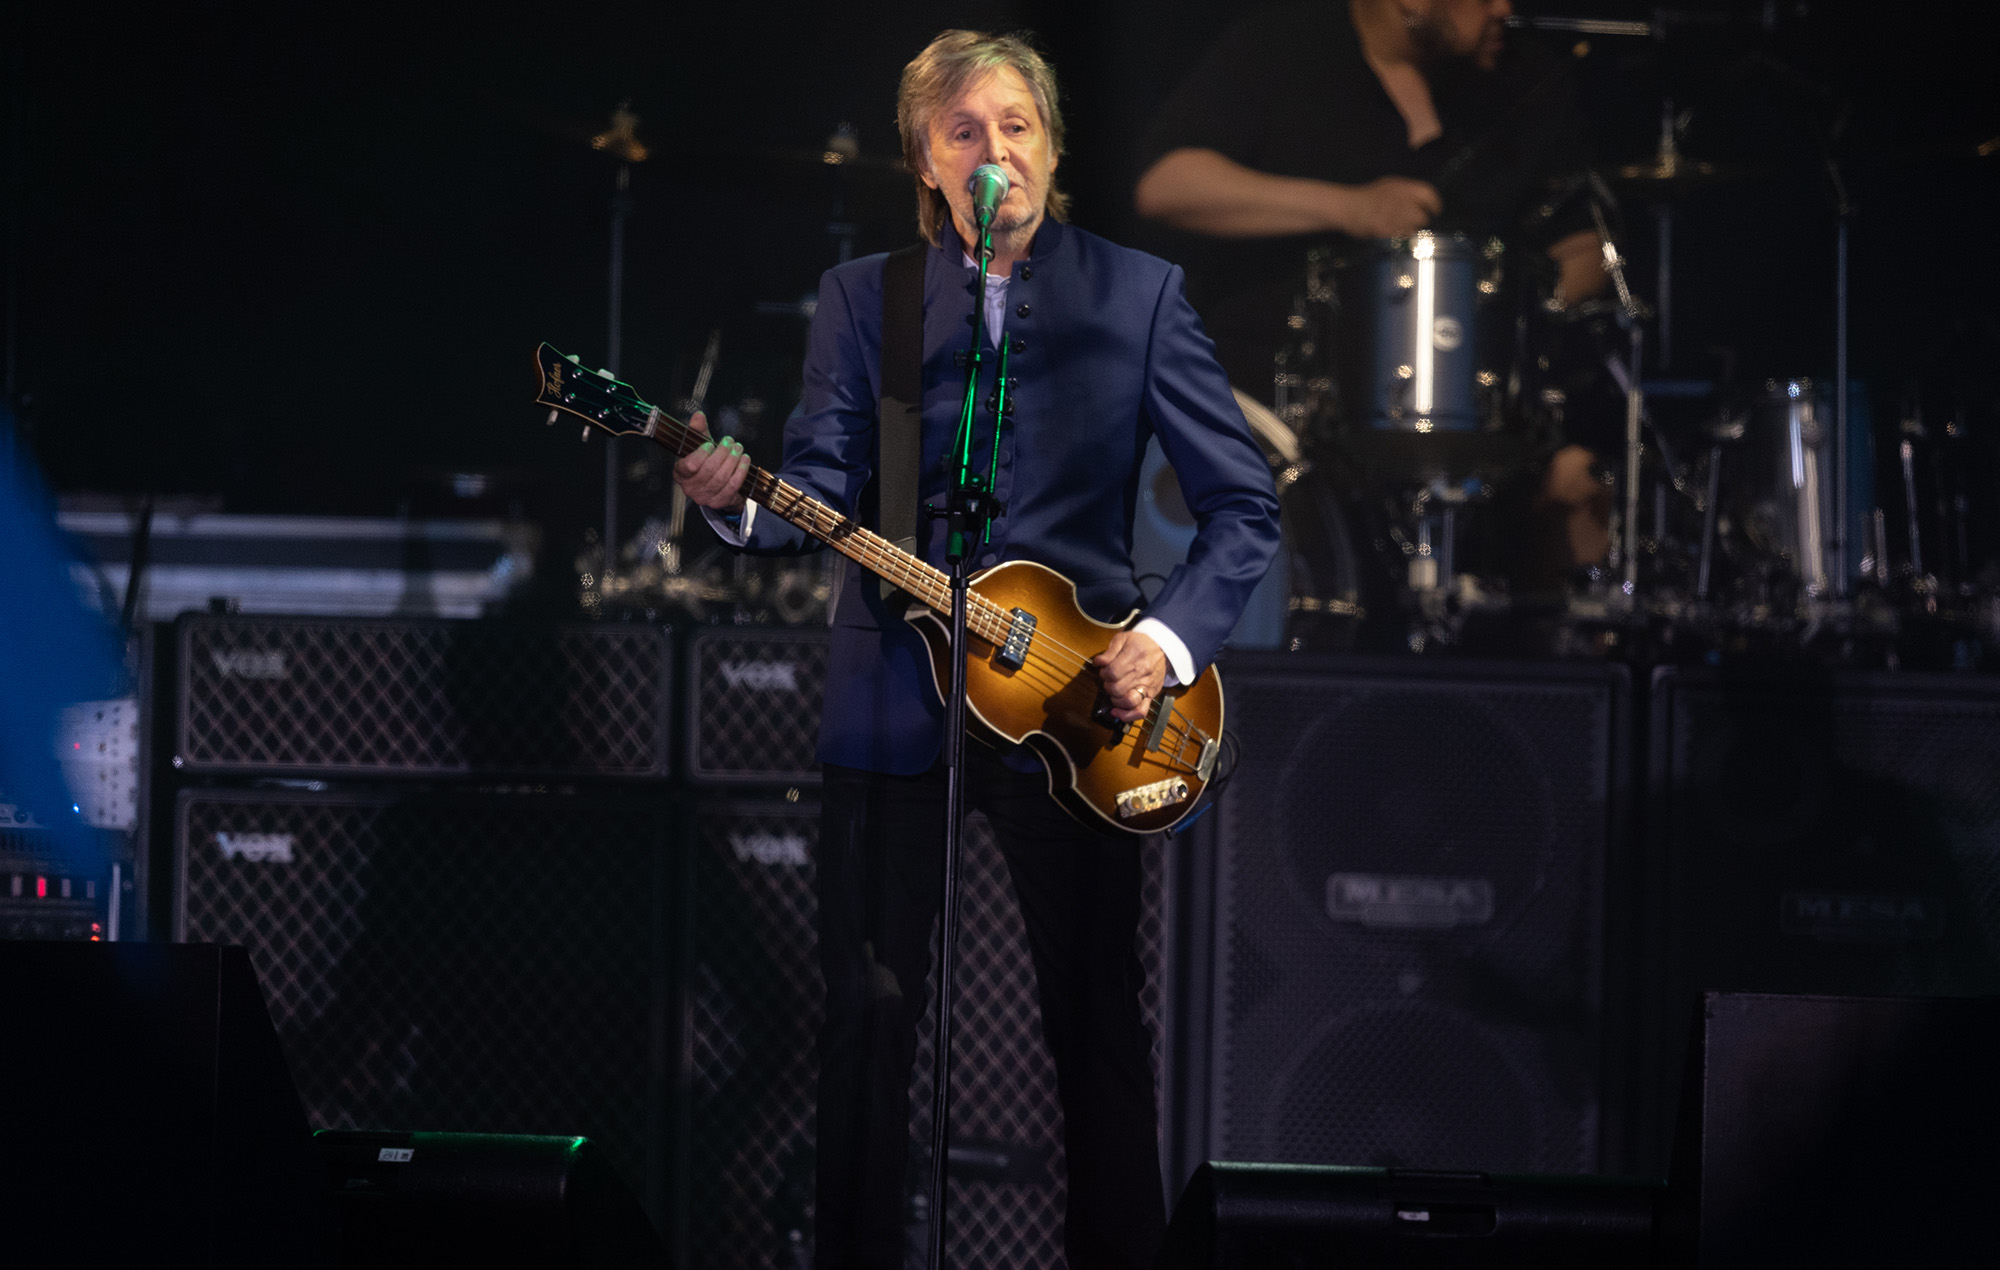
{"x":1180,"y":662}
{"x":735,"y":535}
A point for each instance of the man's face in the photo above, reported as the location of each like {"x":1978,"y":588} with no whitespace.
{"x":994,"y":122}
{"x":1458,"y":30}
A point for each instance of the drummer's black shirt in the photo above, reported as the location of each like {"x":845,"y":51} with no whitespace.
{"x":1287,"y":91}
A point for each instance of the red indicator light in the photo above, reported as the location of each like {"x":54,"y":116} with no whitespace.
{"x":41,"y":888}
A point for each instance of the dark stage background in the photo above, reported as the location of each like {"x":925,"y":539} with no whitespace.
{"x":297,"y":256}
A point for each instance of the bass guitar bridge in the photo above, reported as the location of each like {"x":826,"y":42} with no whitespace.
{"x":1145,"y":798}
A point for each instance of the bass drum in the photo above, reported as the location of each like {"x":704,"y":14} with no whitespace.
{"x":1310,"y":599}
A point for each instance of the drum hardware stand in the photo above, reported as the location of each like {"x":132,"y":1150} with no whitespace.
{"x":1921,"y":583}
{"x":621,"y":142}
{"x":1635,"y":313}
{"x":696,"y":398}
{"x":1843,"y":211}
{"x":1725,"y":429}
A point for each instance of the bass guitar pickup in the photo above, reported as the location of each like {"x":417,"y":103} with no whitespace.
{"x":1020,"y":633}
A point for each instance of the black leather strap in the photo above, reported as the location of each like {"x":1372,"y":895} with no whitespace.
{"x":899,"y":431}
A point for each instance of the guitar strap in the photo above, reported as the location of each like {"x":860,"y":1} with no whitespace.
{"x":899,"y":419}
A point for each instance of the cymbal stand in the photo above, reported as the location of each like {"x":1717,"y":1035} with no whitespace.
{"x":1635,"y":312}
{"x":1843,"y":211}
{"x":697,"y":397}
{"x":1666,"y":160}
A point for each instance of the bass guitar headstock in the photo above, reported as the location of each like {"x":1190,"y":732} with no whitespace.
{"x":591,"y":395}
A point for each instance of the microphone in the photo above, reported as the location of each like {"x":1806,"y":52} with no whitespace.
{"x":988,"y":185}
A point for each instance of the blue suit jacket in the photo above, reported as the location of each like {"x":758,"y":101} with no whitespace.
{"x":1109,"y":353}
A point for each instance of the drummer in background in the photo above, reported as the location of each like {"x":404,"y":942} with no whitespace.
{"x":1372,"y":119}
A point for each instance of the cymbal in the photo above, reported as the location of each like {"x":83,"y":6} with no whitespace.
{"x":1668,"y":175}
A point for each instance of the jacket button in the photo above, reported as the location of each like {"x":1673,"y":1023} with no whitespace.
{"x":1027,"y":272}
{"x":1023,"y":311}
{"x":1019,"y":343}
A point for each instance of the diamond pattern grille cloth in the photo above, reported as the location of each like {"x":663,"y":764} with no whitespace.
{"x":1434,"y":1036}
{"x":422,"y":697}
{"x":480,"y":966}
{"x":755,"y":998}
{"x":756,"y":706}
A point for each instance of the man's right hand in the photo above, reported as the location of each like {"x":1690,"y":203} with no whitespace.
{"x":1390,"y":207}
{"x":712,"y":476}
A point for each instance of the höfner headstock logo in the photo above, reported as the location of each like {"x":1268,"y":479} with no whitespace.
{"x":249,"y":663}
{"x":1423,"y":903}
{"x":761,"y":676}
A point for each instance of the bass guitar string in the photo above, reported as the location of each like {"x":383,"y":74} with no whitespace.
{"x":891,"y":562}
{"x":898,"y":566}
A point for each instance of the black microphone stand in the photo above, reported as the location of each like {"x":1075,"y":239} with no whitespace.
{"x":968,"y":513}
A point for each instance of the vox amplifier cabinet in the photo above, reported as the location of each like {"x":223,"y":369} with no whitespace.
{"x":344,"y":697}
{"x":1412,"y":878}
{"x":752,"y":1012}
{"x":1009,"y":1177}
{"x":750,"y":1017}
{"x":754,"y":705}
{"x":465,"y":962}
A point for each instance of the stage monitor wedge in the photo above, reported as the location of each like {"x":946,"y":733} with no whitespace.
{"x":1838,"y":1131}
{"x":148,"y":1114}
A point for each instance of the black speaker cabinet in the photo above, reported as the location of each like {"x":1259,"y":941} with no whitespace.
{"x":1406,"y":961}
{"x":1821,"y":833}
{"x":467,"y":962}
{"x":754,"y":705}
{"x":753,"y":1010}
{"x":148,"y":1114}
{"x":1837,"y":1131}
{"x":751,"y":1017}
{"x":361,"y":697}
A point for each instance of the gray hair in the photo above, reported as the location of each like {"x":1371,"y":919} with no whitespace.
{"x":950,"y":66}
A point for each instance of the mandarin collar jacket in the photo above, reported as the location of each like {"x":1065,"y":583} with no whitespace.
{"x":1104,"y":353}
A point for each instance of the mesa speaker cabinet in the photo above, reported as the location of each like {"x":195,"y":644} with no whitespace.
{"x":351,"y":696}
{"x":753,"y":1008}
{"x":754,"y":705}
{"x":1405,"y":965}
{"x":467,"y":963}
{"x":1821,"y":833}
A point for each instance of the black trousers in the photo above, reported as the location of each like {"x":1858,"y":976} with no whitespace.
{"x":879,"y":871}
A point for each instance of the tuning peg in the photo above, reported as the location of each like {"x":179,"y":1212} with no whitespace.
{"x":574,"y":360}
{"x":550,"y":421}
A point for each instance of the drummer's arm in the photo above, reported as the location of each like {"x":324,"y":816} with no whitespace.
{"x":1579,"y":266}
{"x":1209,"y":193}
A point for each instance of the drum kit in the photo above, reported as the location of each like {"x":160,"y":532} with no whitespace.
{"x":1419,"y":390}
{"x":1423,"y":384}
